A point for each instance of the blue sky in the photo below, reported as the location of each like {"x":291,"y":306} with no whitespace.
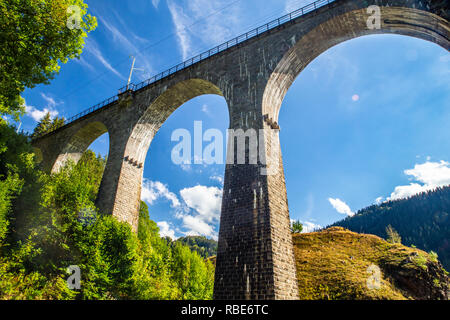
{"x":366,"y":121}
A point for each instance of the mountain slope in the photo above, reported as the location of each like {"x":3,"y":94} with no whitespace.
{"x":203,"y":246}
{"x":333,"y":264}
{"x":422,"y":220}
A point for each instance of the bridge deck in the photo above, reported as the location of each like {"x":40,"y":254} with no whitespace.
{"x":292,"y":16}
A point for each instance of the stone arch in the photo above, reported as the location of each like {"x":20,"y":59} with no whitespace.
{"x":353,"y":24}
{"x":160,"y":110}
{"x":120,"y":190}
{"x":78,"y":143}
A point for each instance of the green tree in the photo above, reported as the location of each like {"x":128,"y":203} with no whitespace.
{"x":192,"y":274}
{"x":16,"y":165}
{"x":154,"y":276}
{"x":16,"y":152}
{"x":8,"y":189}
{"x":43,"y":126}
{"x":46,"y":125}
{"x":35,"y":38}
{"x":392,"y":235}
{"x":202,"y":245}
{"x":297,"y":227}
{"x":57,"y":122}
{"x":20,"y":278}
{"x":147,"y":228}
{"x":115,"y":263}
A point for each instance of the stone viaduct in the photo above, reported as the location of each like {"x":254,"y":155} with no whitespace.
{"x":253,"y":72}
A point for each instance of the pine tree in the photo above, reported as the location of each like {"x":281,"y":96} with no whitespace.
{"x":57,"y":123}
{"x":43,"y":126}
{"x":46,"y":125}
{"x":296,"y":227}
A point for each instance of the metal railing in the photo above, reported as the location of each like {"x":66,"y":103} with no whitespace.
{"x":92,"y":109}
{"x":233,"y":42}
{"x":207,"y":54}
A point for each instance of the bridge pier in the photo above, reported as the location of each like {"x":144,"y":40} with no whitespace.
{"x":120,"y":190}
{"x":255,"y":258}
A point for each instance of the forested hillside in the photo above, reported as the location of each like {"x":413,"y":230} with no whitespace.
{"x":202,"y":245}
{"x":422,"y":220}
{"x":50,"y":222}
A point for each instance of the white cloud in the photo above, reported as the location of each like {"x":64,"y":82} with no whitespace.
{"x":165,"y":230}
{"x":378,"y":200}
{"x":199,"y":211}
{"x":84,"y":63}
{"x":341,"y":206}
{"x":430,"y":174}
{"x":51,"y":103}
{"x":401,"y":192}
{"x":122,"y":37}
{"x":180,"y":21}
{"x":153,"y":190}
{"x":92,"y":48}
{"x":155,"y":3}
{"x":203,"y":23}
{"x":198,"y":227}
{"x":309,"y":226}
{"x":37,"y":114}
{"x":207,"y":201}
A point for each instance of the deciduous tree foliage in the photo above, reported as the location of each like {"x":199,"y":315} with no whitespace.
{"x":35,"y":39}
{"x":16,"y":164}
{"x":43,"y":230}
{"x":50,"y":222}
{"x":296,"y":227}
{"x":200,"y":244}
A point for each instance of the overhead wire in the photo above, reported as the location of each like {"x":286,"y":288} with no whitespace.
{"x":257,"y":23}
{"x":77,"y":89}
